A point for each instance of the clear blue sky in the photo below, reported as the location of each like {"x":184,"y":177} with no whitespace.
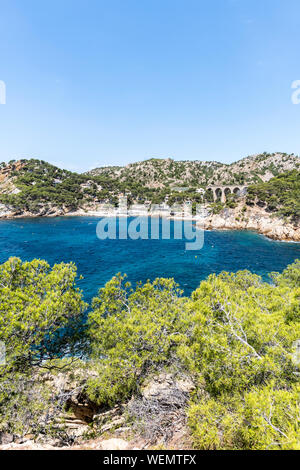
{"x":111,"y":82}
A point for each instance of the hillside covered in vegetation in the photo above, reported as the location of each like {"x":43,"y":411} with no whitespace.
{"x":37,"y":187}
{"x":219,"y":368}
{"x":30,"y":184}
{"x":164,"y":173}
{"x":280,"y":195}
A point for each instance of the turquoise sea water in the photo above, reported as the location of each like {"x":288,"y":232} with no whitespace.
{"x":74,"y":239}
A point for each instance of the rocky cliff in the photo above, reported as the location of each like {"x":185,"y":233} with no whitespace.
{"x":253,"y":218}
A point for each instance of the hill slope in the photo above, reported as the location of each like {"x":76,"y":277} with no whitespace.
{"x":36,"y":188}
{"x":159,"y":173}
{"x":32,"y":185}
{"x":280,"y":195}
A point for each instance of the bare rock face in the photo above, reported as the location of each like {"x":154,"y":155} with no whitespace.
{"x":28,"y":445}
{"x":82,"y":408}
{"x":158,"y":415}
{"x":73,"y":411}
{"x":114,"y":444}
{"x":155,"y":417}
{"x":108,"y":420}
{"x":95,"y":444}
{"x":6,"y":211}
{"x":159,"y":387}
{"x":254,"y":218}
{"x":6,"y":438}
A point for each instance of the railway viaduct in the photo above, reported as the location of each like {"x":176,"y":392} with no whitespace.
{"x":220,"y":192}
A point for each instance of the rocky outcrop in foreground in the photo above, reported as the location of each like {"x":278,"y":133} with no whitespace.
{"x":155,"y":418}
{"x":253,"y":219}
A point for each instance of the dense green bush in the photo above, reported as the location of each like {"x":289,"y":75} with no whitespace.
{"x":234,"y":337}
{"x":133,"y":333}
{"x":40,"y":321}
{"x":280,"y":195}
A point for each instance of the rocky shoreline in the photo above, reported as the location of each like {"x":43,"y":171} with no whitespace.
{"x":253,"y":219}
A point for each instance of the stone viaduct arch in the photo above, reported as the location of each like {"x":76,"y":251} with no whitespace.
{"x":220,"y":192}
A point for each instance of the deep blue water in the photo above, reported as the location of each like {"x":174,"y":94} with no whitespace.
{"x":74,"y":239}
